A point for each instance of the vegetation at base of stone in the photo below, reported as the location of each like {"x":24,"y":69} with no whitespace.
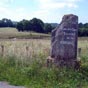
{"x":37,"y":75}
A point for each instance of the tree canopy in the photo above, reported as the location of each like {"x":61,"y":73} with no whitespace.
{"x":83,"y":29}
{"x":6,"y":23}
{"x":35,"y":25}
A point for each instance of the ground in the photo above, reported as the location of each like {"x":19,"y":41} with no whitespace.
{"x":6,"y":85}
{"x":23,"y":63}
{"x":11,"y":33}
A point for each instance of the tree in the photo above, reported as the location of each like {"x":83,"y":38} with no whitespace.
{"x":47,"y":28}
{"x":24,"y":25}
{"x":37,"y":25}
{"x":19,"y":26}
{"x":7,"y":22}
{"x":86,"y":25}
{"x":81,"y":25}
{"x":1,"y":23}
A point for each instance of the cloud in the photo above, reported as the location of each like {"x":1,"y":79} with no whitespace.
{"x":17,"y":13}
{"x":53,"y":9}
{"x":14,"y":14}
{"x":56,"y":4}
{"x":5,"y":2}
{"x":48,"y":10}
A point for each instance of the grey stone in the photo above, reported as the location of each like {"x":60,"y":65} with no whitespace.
{"x":6,"y":85}
{"x":64,"y":41}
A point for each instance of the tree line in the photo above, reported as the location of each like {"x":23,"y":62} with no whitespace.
{"x":37,"y":25}
{"x":83,"y":29}
{"x":7,"y":23}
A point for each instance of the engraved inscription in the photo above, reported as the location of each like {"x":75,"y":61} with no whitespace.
{"x":69,"y":36}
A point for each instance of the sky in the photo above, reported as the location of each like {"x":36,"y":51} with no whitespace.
{"x":49,"y":11}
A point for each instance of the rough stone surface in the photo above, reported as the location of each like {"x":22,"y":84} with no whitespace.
{"x":64,"y":41}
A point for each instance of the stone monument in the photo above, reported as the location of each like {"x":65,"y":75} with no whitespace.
{"x":64,"y":42}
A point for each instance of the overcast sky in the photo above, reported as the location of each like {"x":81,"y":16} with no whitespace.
{"x":46,"y":10}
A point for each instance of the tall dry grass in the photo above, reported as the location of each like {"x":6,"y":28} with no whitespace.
{"x":25,"y":50}
{"x":29,"y":48}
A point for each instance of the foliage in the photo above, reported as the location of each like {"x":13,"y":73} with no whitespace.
{"x":48,"y":28}
{"x":35,"y":25}
{"x":6,"y":23}
{"x":20,"y":26}
{"x":83,"y":29}
{"x":32,"y":71}
{"x":36,"y":75}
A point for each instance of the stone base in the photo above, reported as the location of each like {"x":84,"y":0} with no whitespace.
{"x":61,"y":63}
{"x":68,"y":64}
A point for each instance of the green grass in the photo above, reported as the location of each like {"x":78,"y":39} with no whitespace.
{"x":36,"y":75}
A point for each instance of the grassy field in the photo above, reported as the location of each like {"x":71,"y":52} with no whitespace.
{"x":11,"y":33}
{"x":8,"y":29}
{"x":23,"y":62}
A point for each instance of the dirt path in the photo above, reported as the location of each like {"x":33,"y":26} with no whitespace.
{"x":6,"y":85}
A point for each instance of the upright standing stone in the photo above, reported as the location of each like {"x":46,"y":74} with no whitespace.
{"x":64,"y":41}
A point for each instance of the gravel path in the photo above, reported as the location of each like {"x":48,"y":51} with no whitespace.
{"x":6,"y":85}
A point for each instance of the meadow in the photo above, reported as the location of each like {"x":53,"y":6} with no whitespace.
{"x":23,"y":62}
{"x":11,"y":33}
